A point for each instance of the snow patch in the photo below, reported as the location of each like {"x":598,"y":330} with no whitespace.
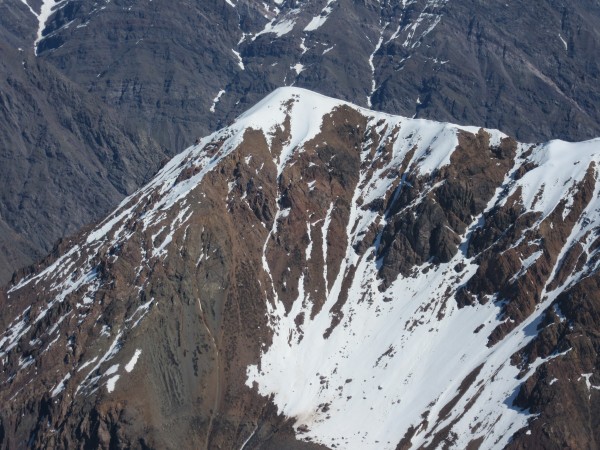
{"x":60,"y":386}
{"x":216,"y":100}
{"x":110,"y":384}
{"x":132,"y":362}
{"x":318,"y":21}
{"x":240,"y":61}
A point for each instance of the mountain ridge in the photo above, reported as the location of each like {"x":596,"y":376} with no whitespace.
{"x":166,"y":75}
{"x":310,"y":223}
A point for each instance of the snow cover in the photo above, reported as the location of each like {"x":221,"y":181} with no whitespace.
{"x":47,"y":8}
{"x":218,"y":97}
{"x":110,"y":384}
{"x":90,"y":380}
{"x":560,"y":166}
{"x":424,"y":24}
{"x":278,"y":28}
{"x":416,"y":29}
{"x":390,"y":359}
{"x":564,"y":42}
{"x":297,"y":68}
{"x":131,"y":364}
{"x":240,"y":61}
{"x":318,"y":21}
{"x":60,"y":386}
{"x":372,"y":65}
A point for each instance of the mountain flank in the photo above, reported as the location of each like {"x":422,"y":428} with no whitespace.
{"x":318,"y":275}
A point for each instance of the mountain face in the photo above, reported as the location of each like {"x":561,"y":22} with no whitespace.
{"x":529,"y":70}
{"x":65,"y":159}
{"x":165,"y":74}
{"x":318,"y":275}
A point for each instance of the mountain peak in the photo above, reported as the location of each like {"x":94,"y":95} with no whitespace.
{"x":318,"y":274}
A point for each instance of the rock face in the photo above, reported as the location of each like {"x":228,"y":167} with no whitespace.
{"x":317,"y":275}
{"x":159,"y":75}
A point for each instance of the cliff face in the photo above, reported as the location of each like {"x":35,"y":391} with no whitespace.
{"x":317,"y":275}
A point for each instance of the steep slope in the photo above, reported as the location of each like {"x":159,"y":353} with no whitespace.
{"x":530,"y":70}
{"x":317,"y":275}
{"x":65,"y":161}
{"x":155,"y":71}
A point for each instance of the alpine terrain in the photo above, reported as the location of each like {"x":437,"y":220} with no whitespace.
{"x":94,"y":94}
{"x":318,"y":275}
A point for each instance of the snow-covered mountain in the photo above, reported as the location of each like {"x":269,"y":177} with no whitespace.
{"x":318,"y":275}
{"x":165,"y":73}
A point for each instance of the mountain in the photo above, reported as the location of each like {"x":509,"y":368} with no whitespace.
{"x":65,"y":159}
{"x":165,"y":74}
{"x":318,"y":275}
{"x":529,"y":70}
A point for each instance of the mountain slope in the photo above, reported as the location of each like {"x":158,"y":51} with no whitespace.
{"x":529,"y":70}
{"x":164,"y":74}
{"x":64,"y":160}
{"x":317,"y":275}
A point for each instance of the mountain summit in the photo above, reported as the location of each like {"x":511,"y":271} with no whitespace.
{"x":103,"y":90}
{"x":318,"y":275}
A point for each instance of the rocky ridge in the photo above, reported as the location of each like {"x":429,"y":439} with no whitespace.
{"x":165,"y":75}
{"x":317,"y":275}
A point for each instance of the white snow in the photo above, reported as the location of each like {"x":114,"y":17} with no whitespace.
{"x":588,"y":384}
{"x":131,"y":364}
{"x":401,"y":358}
{"x":217,"y":98}
{"x":298,"y":68}
{"x":47,"y":8}
{"x":256,"y":428}
{"x":303,"y":47}
{"x":309,"y":247}
{"x":240,"y":61}
{"x":416,"y":29}
{"x":140,"y":313}
{"x":527,"y":263}
{"x":372,"y":65}
{"x":108,"y":355}
{"x":318,"y":21}
{"x":422,"y":373}
{"x":110,"y":384}
{"x":111,"y":370}
{"x":87,"y":363}
{"x":560,"y":167}
{"x":563,"y":41}
{"x":60,"y":386}
{"x":278,"y":28}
